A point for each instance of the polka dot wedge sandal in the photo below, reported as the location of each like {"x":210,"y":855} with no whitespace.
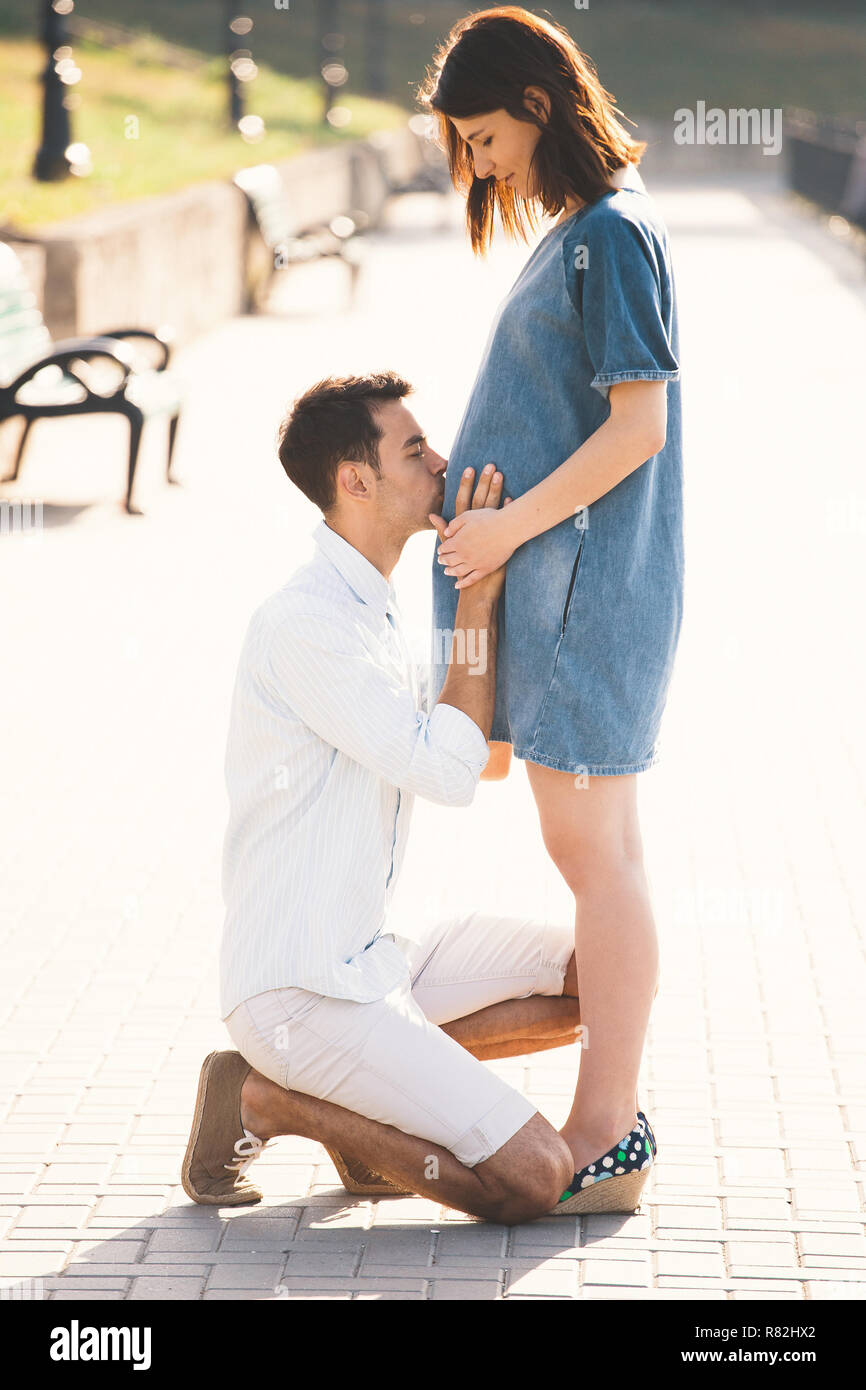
{"x":615,"y":1181}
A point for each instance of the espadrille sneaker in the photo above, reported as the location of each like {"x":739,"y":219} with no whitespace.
{"x":615,"y":1181}
{"x":362,"y":1181}
{"x":220,"y":1149}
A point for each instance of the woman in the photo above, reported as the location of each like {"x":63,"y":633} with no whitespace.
{"x":577,"y":402}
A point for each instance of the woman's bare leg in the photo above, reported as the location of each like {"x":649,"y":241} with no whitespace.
{"x":592,"y":835}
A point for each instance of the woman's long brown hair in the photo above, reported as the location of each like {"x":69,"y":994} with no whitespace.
{"x":485,"y":64}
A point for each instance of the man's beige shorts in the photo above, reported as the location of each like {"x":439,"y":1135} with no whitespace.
{"x":388,"y":1060}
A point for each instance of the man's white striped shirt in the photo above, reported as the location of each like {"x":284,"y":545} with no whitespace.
{"x":327,"y":748}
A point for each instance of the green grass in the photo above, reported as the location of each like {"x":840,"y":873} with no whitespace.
{"x":182,"y":137}
{"x":654,"y":56}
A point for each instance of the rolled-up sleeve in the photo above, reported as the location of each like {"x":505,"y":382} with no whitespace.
{"x":325,"y":667}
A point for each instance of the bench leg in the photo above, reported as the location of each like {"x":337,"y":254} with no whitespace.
{"x":355,"y":275}
{"x":172,"y":434}
{"x":136,"y":422}
{"x":19,"y":452}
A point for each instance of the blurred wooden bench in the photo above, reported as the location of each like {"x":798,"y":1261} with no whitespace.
{"x":289,"y":244}
{"x":412,"y":165}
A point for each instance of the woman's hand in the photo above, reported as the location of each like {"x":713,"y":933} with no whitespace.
{"x":476,"y":543}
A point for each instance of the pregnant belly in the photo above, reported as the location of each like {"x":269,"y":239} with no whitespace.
{"x":525,"y":449}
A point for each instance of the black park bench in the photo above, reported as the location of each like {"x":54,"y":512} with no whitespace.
{"x":122,"y":372}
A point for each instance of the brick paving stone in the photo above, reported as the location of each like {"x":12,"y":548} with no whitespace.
{"x":466,"y":1290}
{"x":167,"y":1290}
{"x":68,"y":1215}
{"x":356,"y":1283}
{"x":761,"y":1252}
{"x":618,"y":1272}
{"x":257,"y":1296}
{"x":774,"y":1294}
{"x":548,"y":1281}
{"x":833,"y":1291}
{"x":261,"y":1275}
{"x":89,"y":1295}
{"x":170,"y":1240}
{"x":363,"y":1297}
{"x":749,"y":1209}
{"x":693,"y":1215}
{"x":111,"y":1288}
{"x":843,"y":1245}
{"x":108,"y":1251}
{"x":394,"y":1248}
{"x":705,"y":1264}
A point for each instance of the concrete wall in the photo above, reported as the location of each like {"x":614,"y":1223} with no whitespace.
{"x":174,"y":259}
{"x":187,"y":259}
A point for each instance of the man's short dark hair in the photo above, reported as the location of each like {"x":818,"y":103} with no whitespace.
{"x":331,"y":422}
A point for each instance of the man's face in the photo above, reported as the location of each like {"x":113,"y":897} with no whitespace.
{"x":501,"y":146}
{"x":412,"y":475}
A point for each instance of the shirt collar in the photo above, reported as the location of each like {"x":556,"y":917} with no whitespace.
{"x":362,"y":577}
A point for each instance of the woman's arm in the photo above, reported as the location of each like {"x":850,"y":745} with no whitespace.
{"x":633,"y":432}
{"x":480,"y":541}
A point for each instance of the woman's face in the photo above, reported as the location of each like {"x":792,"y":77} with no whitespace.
{"x":501,"y":146}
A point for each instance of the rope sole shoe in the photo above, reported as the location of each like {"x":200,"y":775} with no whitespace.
{"x":220,"y":1149}
{"x":362,"y":1181}
{"x":614,"y":1182}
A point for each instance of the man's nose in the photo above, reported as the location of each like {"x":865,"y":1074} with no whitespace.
{"x":438,"y":465}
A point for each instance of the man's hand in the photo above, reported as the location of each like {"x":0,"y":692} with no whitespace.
{"x":487,"y":495}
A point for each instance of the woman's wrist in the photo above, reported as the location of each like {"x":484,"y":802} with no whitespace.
{"x":522,"y":521}
{"x":513,"y":523}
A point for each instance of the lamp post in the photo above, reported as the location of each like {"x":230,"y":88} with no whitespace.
{"x":331,"y":42}
{"x":52,"y":163}
{"x":241,"y":67}
{"x":376,"y":30}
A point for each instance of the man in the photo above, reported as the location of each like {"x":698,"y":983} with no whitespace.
{"x":346,"y":1033}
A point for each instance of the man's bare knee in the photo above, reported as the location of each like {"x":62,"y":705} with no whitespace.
{"x":526,"y":1177}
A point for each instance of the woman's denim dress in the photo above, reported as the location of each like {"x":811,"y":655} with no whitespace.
{"x":591,"y":611}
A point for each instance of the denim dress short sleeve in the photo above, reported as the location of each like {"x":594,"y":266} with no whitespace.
{"x":591,"y":610}
{"x":614,"y":278}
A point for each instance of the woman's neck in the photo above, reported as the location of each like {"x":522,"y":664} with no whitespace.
{"x":617,"y":180}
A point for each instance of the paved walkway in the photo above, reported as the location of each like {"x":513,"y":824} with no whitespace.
{"x":119,"y":639}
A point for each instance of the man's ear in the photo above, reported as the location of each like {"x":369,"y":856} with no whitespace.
{"x":350,"y":477}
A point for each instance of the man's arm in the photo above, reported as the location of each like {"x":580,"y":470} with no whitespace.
{"x":498,"y":763}
{"x":471,"y":681}
{"x":323,"y":666}
{"x":470,"y":685}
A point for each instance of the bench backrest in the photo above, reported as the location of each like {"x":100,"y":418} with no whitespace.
{"x":267,"y":194}
{"x":23,"y":335}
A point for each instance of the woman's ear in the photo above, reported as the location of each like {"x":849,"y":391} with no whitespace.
{"x":536,"y":100}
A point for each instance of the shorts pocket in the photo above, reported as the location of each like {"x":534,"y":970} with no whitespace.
{"x":297,"y":1008}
